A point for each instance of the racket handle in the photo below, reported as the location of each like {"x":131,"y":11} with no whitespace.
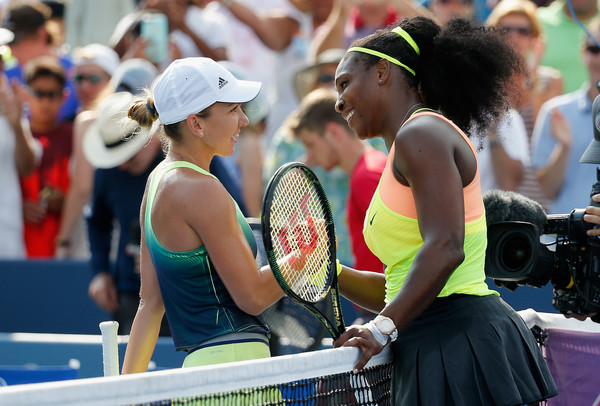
{"x":110,"y":347}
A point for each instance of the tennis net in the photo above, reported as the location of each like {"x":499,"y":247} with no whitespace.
{"x":313,"y":378}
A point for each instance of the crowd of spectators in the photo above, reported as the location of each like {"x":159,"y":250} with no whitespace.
{"x":63,"y":60}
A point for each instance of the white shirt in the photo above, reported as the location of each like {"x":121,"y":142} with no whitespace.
{"x":512,"y":135}
{"x":11,"y":205}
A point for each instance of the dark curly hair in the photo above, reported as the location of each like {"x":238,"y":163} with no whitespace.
{"x":465,"y":71}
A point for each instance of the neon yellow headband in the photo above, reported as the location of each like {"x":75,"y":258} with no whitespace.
{"x":407,"y":38}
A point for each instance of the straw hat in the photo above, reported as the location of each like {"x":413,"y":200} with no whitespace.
{"x":305,"y":79}
{"x":112,"y":139}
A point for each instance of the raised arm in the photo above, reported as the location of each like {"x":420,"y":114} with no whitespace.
{"x":274,"y":30}
{"x":12,"y":106}
{"x":331,"y":33}
{"x":80,"y":188}
{"x":176,"y":14}
{"x":552,"y":175}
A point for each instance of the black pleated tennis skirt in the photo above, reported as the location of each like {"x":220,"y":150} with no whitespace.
{"x":469,"y":351}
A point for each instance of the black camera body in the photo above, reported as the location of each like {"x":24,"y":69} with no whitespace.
{"x":516,"y":256}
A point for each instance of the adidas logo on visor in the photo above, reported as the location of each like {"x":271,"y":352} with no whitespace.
{"x":222,"y":82}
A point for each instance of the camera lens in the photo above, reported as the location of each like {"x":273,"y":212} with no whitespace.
{"x":515,"y":252}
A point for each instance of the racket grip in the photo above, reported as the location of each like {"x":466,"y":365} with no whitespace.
{"x":110,"y":347}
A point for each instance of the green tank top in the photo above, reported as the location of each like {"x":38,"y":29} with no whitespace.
{"x":197,"y":303}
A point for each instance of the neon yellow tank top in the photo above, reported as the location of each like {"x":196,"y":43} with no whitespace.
{"x":391,"y":231}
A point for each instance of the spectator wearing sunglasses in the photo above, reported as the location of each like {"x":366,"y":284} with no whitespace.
{"x":28,"y":21}
{"x":94,"y":66}
{"x":519,"y":20}
{"x":45,"y":189}
{"x":562,"y":33}
{"x":563,"y":131}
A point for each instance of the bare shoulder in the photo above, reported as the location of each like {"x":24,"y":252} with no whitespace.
{"x":190,"y":191}
{"x":426,"y":130}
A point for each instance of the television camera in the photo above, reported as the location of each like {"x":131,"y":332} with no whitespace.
{"x":517,"y":256}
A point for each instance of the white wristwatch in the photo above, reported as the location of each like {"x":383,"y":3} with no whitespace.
{"x":383,"y":328}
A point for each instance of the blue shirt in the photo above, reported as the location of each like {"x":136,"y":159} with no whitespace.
{"x":576,"y":107}
{"x":117,"y":196}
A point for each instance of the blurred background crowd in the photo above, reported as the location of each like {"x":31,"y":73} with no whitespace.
{"x":71,"y":188}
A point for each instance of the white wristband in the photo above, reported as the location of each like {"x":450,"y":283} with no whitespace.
{"x":379,"y":336}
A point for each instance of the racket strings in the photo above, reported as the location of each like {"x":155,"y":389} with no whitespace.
{"x":297,"y":227}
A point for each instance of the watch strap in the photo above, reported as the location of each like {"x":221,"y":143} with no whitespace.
{"x":379,"y":336}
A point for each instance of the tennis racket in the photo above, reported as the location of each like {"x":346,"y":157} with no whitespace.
{"x":293,"y":329}
{"x":299,"y":238}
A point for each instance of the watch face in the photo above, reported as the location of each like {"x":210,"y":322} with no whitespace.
{"x":385,"y":325}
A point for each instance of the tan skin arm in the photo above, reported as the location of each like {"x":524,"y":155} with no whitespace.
{"x":437,"y":163}
{"x":82,"y":180}
{"x":410,"y":8}
{"x":12,"y":106}
{"x":507,"y":171}
{"x":252,"y":290}
{"x":332,"y":32}
{"x":275,"y":31}
{"x":146,"y":325}
{"x":250,"y":161}
{"x":364,"y":288}
{"x":176,"y":13}
{"x":552,"y":176}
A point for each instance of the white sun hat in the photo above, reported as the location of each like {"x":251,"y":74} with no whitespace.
{"x":6,"y":36}
{"x":190,"y":85}
{"x":97,"y":54}
{"x":112,"y":139}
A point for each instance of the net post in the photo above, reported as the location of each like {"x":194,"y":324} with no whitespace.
{"x":110,"y":347}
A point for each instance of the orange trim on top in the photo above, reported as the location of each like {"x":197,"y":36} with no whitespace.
{"x":399,"y":198}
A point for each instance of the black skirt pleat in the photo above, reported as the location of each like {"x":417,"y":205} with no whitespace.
{"x":469,"y":350}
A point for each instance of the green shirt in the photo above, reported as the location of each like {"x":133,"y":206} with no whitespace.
{"x":564,"y":39}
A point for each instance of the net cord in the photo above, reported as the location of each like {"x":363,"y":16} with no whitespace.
{"x":152,"y":386}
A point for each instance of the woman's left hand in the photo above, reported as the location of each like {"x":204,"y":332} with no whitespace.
{"x":359,"y":336}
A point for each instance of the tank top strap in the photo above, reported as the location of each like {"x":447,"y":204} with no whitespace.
{"x":426,"y":111}
{"x":156,"y":176}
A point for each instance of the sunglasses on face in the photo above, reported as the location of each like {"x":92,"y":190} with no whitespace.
{"x":325,"y":78}
{"x":524,"y":31}
{"x":41,"y":94}
{"x":464,"y":2}
{"x":93,"y":79}
{"x":593,"y":49}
